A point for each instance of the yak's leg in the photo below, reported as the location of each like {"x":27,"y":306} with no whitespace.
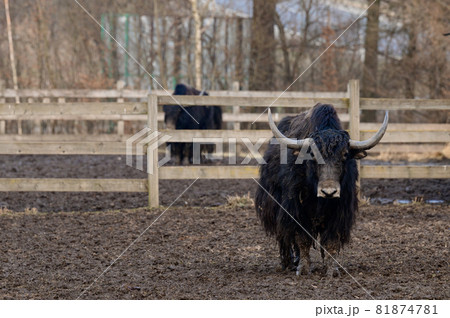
{"x":304,"y":267}
{"x":191,"y":153}
{"x":295,"y":255}
{"x":185,"y":154}
{"x":285,"y":253}
{"x":329,"y":258}
{"x":176,"y":152}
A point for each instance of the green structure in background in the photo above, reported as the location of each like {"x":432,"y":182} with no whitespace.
{"x":106,"y":24}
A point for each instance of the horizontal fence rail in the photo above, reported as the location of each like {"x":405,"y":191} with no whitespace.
{"x":250,"y":101}
{"x":72,"y":185}
{"x":115,"y":145}
{"x":142,"y":94}
{"x":404,"y":137}
{"x":202,"y":172}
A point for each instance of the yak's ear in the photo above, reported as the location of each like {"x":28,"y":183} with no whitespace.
{"x":358,"y":154}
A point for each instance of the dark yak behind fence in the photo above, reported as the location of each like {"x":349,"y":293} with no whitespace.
{"x":175,"y":117}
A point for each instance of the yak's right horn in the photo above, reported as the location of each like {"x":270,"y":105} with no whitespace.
{"x":291,"y":143}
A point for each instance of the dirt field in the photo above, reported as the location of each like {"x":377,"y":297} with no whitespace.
{"x":205,"y":192}
{"x":397,"y":252}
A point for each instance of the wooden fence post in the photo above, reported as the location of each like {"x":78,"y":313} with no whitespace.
{"x":153,"y":178}
{"x":236,"y":123}
{"x":2,"y":101}
{"x":120,"y":124}
{"x":36,"y":125}
{"x":353,"y":110}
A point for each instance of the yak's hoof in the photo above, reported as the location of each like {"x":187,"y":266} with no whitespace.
{"x":303,"y":270}
{"x":333,"y":271}
{"x":288,"y":267}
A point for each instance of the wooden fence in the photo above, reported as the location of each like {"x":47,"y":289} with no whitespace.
{"x":114,"y":144}
{"x":62,"y":96}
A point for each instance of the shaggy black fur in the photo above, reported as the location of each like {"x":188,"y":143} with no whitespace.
{"x":294,"y":186}
{"x":208,"y":117}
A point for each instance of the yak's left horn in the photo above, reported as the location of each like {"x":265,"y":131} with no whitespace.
{"x":291,"y":143}
{"x":372,"y":141}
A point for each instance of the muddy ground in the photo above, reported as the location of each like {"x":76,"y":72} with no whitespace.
{"x":204,"y":192}
{"x":397,"y":252}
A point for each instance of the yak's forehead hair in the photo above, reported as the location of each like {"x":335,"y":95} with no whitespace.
{"x":331,"y":142}
{"x":183,"y":89}
{"x":320,"y":117}
{"x":324,"y":116}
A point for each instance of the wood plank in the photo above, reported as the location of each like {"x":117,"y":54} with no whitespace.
{"x":114,"y":144}
{"x":77,"y":93}
{"x":44,"y":139}
{"x":248,"y":172}
{"x":152,"y":155}
{"x":188,"y":135}
{"x":354,"y":112}
{"x":204,"y":172}
{"x":405,"y":172}
{"x":208,"y":172}
{"x":404,"y":104}
{"x":253,"y":135}
{"x":227,"y":117}
{"x":251,"y":117}
{"x":275,"y":94}
{"x":236,"y":110}
{"x":72,"y":185}
{"x":251,"y":101}
{"x":408,"y":148}
{"x":62,"y":148}
{"x":129,"y":93}
{"x":129,"y":117}
{"x":93,"y":108}
{"x":353,"y":88}
{"x":410,"y":136}
{"x":405,"y":127}
{"x":64,"y":138}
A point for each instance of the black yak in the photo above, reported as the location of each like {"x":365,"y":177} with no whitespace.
{"x":313,"y":201}
{"x":207,"y":117}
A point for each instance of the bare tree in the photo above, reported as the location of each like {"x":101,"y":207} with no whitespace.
{"x":370,"y":69}
{"x":263,"y":45}
{"x":197,"y":43}
{"x":11,"y":48}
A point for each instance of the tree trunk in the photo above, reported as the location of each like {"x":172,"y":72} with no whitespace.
{"x":284,"y":47}
{"x":11,"y":49}
{"x":262,"y":66}
{"x":198,"y":44}
{"x":160,"y":53}
{"x":178,"y":49}
{"x":239,"y":56}
{"x":369,"y":79}
{"x":410,"y":79}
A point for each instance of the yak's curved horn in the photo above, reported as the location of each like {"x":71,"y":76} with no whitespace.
{"x":372,"y":141}
{"x":291,"y":143}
